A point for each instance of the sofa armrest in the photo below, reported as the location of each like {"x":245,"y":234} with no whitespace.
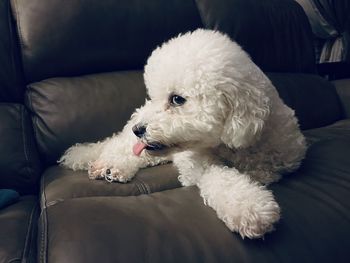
{"x":343,"y":89}
{"x":20,"y":167}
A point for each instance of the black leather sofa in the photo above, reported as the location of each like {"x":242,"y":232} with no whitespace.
{"x":71,"y":71}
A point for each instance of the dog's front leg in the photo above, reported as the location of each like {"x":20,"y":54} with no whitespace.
{"x":111,"y":159}
{"x":191,"y":165}
{"x":245,"y":206}
{"x":117,"y":161}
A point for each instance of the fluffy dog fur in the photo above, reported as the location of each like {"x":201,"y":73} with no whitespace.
{"x":232,"y":134}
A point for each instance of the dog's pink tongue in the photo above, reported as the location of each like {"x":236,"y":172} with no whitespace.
{"x":138,"y":148}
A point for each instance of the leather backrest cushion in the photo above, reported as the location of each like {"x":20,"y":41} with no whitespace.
{"x":19,"y":162}
{"x":313,"y":98}
{"x":69,"y":38}
{"x":82,"y":109}
{"x":11,"y":87}
{"x":89,"y":108}
{"x":276,"y":33}
{"x":343,"y":89}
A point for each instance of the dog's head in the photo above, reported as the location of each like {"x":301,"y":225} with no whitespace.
{"x":204,"y":90}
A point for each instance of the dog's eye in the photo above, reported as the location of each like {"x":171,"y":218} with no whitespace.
{"x":176,"y":100}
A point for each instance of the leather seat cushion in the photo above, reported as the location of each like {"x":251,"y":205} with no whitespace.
{"x":59,"y":184}
{"x":175,"y":225}
{"x":18,"y":228}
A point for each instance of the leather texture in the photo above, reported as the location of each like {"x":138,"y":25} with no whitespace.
{"x":19,"y":162}
{"x":18,"y":228}
{"x":70,"y":38}
{"x":338,"y":130}
{"x":343,"y":90}
{"x":59,"y":184}
{"x":275,"y":33}
{"x":175,"y":225}
{"x":314,"y":99}
{"x":162,"y":227}
{"x":82,"y":109}
{"x":11,"y":80}
{"x":66,"y":38}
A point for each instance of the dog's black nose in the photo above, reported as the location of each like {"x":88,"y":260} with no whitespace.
{"x":139,"y":130}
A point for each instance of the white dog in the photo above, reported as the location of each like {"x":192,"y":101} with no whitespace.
{"x":215,"y":114}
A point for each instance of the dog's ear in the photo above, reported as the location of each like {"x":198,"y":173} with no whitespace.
{"x":247,"y":110}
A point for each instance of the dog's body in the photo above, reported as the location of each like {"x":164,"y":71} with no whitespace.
{"x":218,"y":118}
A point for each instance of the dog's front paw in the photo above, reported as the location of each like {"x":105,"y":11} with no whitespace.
{"x":99,"y":170}
{"x":116,"y":175}
{"x":256,"y":216}
{"x":96,"y":170}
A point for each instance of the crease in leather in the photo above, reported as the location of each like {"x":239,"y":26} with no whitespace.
{"x":142,"y":187}
{"x":54,"y":202}
{"x":36,"y":119}
{"x":18,"y":31}
{"x":14,"y":260}
{"x":11,"y":51}
{"x":139,"y":187}
{"x":200,"y":14}
{"x":145,"y":187}
{"x":11,"y":79}
{"x":17,"y":61}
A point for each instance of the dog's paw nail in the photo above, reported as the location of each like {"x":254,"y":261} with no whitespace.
{"x":109,"y":178}
{"x":108,"y":171}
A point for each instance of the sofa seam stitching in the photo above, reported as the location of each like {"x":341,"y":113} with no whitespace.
{"x":25,"y":148}
{"x":43,"y":193}
{"x":43,"y":245}
{"x":43,"y":241}
{"x":34,"y":118}
{"x":29,"y":235}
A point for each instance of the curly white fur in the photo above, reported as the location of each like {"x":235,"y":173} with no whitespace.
{"x":232,"y":135}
